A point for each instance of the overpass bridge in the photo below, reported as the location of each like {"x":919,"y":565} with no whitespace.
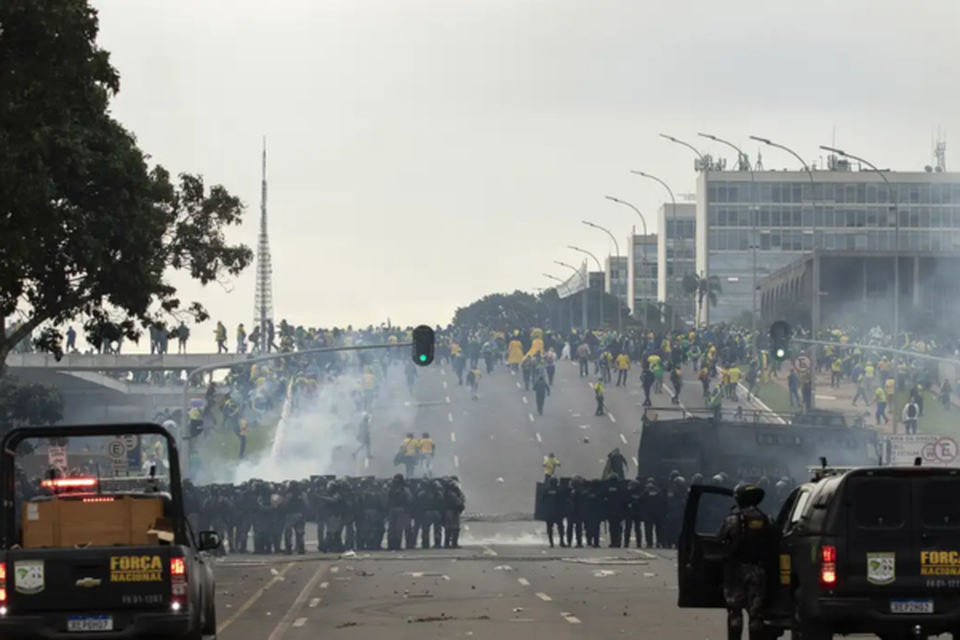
{"x":76,"y":362}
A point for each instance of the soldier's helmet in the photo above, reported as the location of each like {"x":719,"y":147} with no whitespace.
{"x":748,"y":495}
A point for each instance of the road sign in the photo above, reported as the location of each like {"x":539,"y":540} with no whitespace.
{"x":802,"y":363}
{"x":131,"y":442}
{"x":942,"y":452}
{"x":117,"y":449}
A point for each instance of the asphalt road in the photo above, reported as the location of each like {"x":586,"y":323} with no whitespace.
{"x":505,"y":582}
{"x":518,"y":592}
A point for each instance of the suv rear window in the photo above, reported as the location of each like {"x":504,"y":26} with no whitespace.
{"x":939,"y":506}
{"x":880,"y":503}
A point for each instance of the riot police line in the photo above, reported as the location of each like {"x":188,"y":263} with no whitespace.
{"x":579,"y":510}
{"x":350,"y":514}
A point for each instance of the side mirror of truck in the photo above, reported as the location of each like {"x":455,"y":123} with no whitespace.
{"x":209,"y":541}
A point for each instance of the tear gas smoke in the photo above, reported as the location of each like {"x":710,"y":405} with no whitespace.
{"x":319,"y":435}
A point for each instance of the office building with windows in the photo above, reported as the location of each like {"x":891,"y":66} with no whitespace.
{"x":642,"y":265}
{"x":615,"y":282}
{"x":676,"y":256}
{"x":753,"y":226}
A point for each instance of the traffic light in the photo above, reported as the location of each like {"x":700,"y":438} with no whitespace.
{"x":423,"y":342}
{"x":779,"y":340}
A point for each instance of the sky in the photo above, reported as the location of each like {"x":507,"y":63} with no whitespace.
{"x":423,"y":154}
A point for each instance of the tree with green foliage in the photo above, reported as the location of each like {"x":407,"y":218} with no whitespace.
{"x":502,"y":311}
{"x":705,"y":290}
{"x":28,"y":404}
{"x":87,"y":229}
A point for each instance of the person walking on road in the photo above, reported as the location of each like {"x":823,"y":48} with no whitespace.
{"x":550,"y":466}
{"x":542,"y":389}
{"x":598,"y":395}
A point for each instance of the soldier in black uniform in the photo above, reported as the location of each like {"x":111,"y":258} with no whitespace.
{"x":747,"y":534}
{"x":553,"y":510}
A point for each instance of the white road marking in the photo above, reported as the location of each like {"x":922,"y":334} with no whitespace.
{"x":519,"y":386}
{"x":466,"y":527}
{"x":324,"y":585}
{"x":366,"y":463}
{"x":334,"y":569}
{"x":539,"y":439}
{"x":612,"y":419}
{"x":449,"y":417}
{"x":314,"y":603}
{"x":524,"y":582}
{"x":291,"y":616}
{"x":635,"y":463}
{"x":299,"y":622}
{"x":447,"y":399}
{"x":456,"y":461}
{"x":623,"y":438}
{"x":544,"y":597}
{"x":443,"y":372}
{"x":487,"y":551}
{"x":569,"y":617}
{"x":530,"y":415}
{"x":444,"y":384}
{"x":525,"y":400}
{"x":453,"y":437}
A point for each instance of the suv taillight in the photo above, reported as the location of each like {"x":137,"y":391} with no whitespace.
{"x":828,"y":565}
{"x":178,"y":583}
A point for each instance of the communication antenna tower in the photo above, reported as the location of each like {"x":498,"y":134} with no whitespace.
{"x":940,"y":153}
{"x":263,"y":295}
{"x":758,"y":165}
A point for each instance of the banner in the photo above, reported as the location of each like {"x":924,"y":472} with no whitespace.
{"x":576,"y":283}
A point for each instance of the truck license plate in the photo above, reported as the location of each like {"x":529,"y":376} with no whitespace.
{"x":911,"y":606}
{"x":89,"y":623}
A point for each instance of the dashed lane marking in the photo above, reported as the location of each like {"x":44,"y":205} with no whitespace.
{"x":544,"y":597}
{"x":443,"y":372}
{"x":623,"y":438}
{"x":525,"y":400}
{"x":539,"y":439}
{"x":569,"y":617}
{"x":366,"y":463}
{"x":612,"y":419}
{"x":524,"y":582}
{"x":447,"y":399}
{"x":253,"y":599}
{"x":635,"y":463}
{"x":456,"y":461}
{"x":334,"y":569}
{"x":466,"y":527}
{"x":324,"y":585}
{"x":519,"y":386}
{"x":449,"y":417}
{"x":294,"y":611}
{"x":444,"y":384}
{"x":299,"y":622}
{"x":530,"y":415}
{"x":453,"y":437}
{"x":314,"y":603}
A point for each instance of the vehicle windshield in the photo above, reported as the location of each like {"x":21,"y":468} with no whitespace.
{"x":127,"y":463}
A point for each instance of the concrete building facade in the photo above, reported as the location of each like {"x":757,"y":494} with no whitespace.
{"x":753,"y":225}
{"x":676,"y":255}
{"x":642,"y":265}
{"x":615,"y":281}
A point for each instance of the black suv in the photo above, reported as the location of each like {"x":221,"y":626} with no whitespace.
{"x":869,"y":550}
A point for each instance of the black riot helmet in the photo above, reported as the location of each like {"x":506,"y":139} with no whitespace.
{"x":748,"y":495}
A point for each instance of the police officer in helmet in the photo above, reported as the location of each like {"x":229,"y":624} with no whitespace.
{"x":747,"y":533}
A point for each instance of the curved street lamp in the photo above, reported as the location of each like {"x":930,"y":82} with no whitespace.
{"x":676,"y":242}
{"x":616,"y":246}
{"x":646,"y":238}
{"x":600,"y":267}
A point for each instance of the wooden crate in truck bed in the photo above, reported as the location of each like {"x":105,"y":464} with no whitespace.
{"x":100,"y":521}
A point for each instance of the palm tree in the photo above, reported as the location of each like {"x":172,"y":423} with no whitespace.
{"x":703,"y":289}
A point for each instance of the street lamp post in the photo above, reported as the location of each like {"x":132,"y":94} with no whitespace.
{"x":562,"y":281}
{"x":895,"y":198}
{"x":600,"y":267}
{"x":742,"y":157}
{"x":586,"y":290}
{"x":646,"y":239}
{"x":676,"y":231}
{"x":616,"y":246}
{"x":815,"y":302}
{"x":685,"y":144}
